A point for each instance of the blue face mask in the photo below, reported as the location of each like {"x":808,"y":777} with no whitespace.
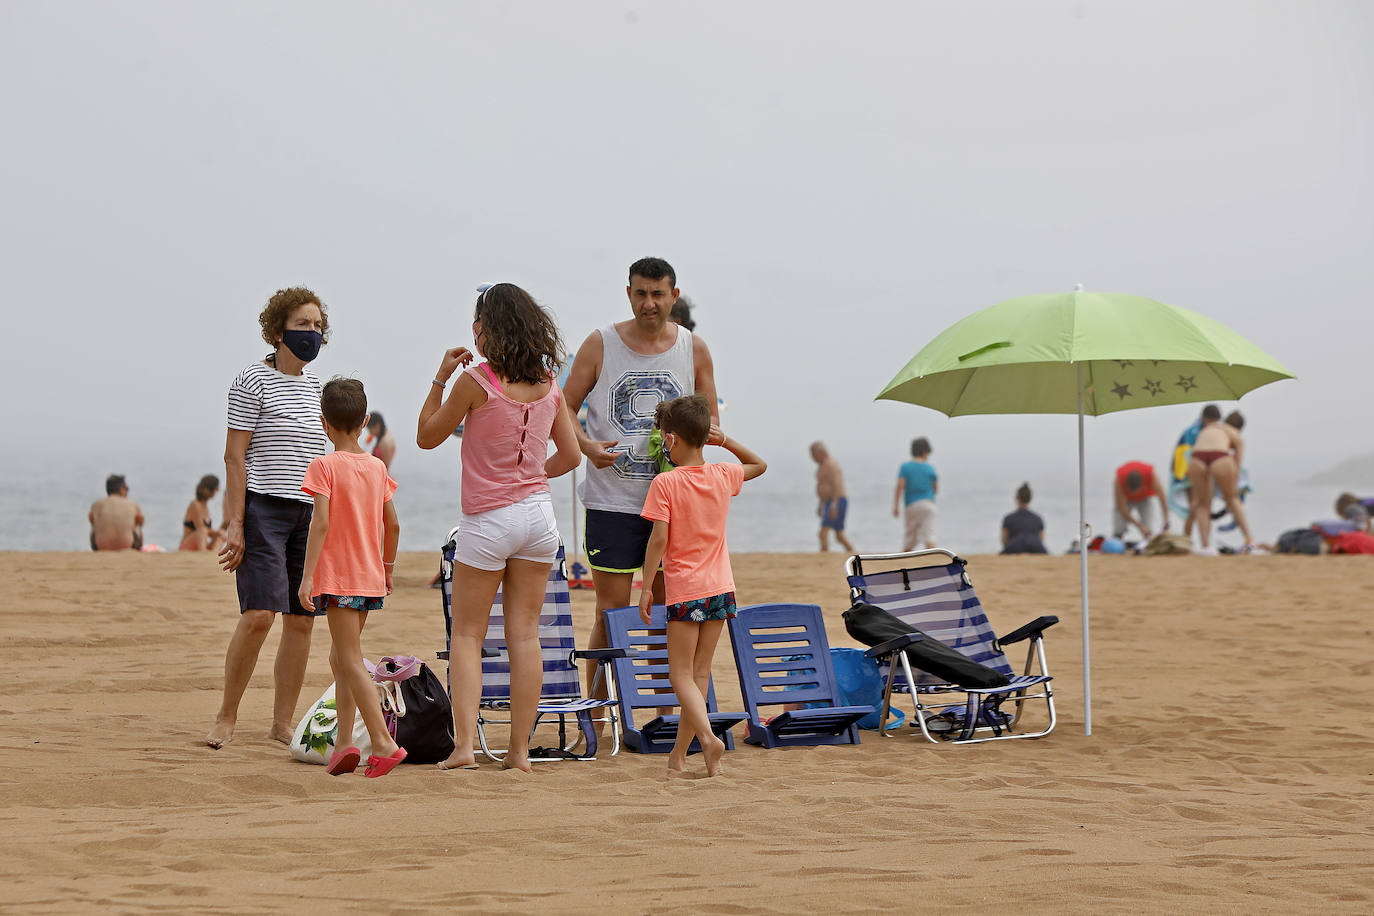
{"x":305,"y":345}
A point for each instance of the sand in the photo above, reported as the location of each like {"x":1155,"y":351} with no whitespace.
{"x":1229,"y":769}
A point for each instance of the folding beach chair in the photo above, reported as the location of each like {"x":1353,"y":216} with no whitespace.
{"x":641,"y":681}
{"x":561,"y":696}
{"x":939,"y":601}
{"x":783,"y":657}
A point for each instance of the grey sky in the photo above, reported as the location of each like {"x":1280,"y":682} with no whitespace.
{"x":835,"y":183}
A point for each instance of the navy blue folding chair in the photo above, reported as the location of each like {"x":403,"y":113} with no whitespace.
{"x":783,"y":658}
{"x":640,"y":681}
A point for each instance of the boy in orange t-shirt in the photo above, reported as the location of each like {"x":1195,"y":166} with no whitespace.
{"x":353,"y":528}
{"x":688,"y":506}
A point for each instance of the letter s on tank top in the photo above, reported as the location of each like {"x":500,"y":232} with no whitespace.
{"x":621,"y":406}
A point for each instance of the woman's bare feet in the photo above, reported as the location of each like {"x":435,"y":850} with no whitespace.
{"x":513,"y":762}
{"x":459,"y":761}
{"x":220,"y":733}
{"x":712,"y":753}
{"x":278,"y":733}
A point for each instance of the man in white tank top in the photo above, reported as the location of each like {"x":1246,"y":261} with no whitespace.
{"x":623,"y":371}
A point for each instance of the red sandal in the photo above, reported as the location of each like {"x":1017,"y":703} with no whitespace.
{"x":380,"y":766}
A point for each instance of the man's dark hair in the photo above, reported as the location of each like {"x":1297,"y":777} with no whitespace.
{"x":1211,"y":412}
{"x":1134,"y":480}
{"x":920,"y":447}
{"x":208,"y":486}
{"x":1235,"y":420}
{"x":344,"y":404}
{"x":654,"y":269}
{"x":682,"y":313}
{"x":1023,"y":494}
{"x":114,"y":483}
{"x":687,"y":417}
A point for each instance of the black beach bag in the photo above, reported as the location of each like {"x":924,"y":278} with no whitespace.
{"x":424,"y":723}
{"x":872,"y":626}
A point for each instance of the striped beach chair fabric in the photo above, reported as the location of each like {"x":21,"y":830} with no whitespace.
{"x":561,"y":697}
{"x":938,"y":599}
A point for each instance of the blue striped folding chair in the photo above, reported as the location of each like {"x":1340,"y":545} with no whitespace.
{"x":939,"y":601}
{"x":561,"y":697}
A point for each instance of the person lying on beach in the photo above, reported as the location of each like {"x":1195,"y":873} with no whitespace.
{"x":1352,"y":509}
{"x":688,"y":507}
{"x":1216,"y":461}
{"x":116,"y":521}
{"x":198,"y":531}
{"x":353,"y":530}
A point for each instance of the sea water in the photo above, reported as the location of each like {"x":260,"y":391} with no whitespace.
{"x":45,"y":502}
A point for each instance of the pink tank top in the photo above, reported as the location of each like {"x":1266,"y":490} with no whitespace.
{"x":505,"y":444}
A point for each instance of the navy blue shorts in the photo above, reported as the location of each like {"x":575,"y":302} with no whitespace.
{"x":616,"y":541}
{"x":833,"y":512}
{"x":275,"y":531}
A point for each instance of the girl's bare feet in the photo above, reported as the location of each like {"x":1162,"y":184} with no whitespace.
{"x":677,"y":764}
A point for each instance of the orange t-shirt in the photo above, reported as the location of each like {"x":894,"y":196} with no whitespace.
{"x":356,"y":486}
{"x":695,"y":502}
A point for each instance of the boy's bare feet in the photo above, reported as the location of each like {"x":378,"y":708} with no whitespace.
{"x":712,"y":753}
{"x":220,"y":733}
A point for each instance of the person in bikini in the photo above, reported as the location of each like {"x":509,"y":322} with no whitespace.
{"x":1216,"y":460}
{"x":198,"y":531}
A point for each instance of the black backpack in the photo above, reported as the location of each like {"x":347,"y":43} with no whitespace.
{"x":872,"y":626}
{"x":1301,"y":540}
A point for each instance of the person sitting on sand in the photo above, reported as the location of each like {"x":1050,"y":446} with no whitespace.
{"x":508,"y":537}
{"x":1216,"y":461}
{"x":353,"y":532}
{"x":1352,"y":509}
{"x":833,"y":502}
{"x":382,"y":441}
{"x":1023,"y":531}
{"x":198,"y":531}
{"x":688,"y":507}
{"x":116,"y":521}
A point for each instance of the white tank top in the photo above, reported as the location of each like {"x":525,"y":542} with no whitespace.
{"x":621,"y":406}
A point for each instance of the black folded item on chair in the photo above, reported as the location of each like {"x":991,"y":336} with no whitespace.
{"x":873,"y":626}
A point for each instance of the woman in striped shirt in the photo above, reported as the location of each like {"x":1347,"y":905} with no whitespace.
{"x":274,"y":434}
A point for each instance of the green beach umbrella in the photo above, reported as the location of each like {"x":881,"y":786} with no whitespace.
{"x":1081,"y":353}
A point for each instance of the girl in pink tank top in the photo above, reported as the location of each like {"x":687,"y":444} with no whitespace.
{"x":510,"y":406}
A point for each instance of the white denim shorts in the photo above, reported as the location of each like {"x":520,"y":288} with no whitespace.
{"x":526,"y":530}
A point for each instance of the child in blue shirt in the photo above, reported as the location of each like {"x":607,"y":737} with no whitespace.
{"x":916,"y":485}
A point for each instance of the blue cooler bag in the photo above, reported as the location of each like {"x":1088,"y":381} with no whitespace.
{"x":861,"y":685}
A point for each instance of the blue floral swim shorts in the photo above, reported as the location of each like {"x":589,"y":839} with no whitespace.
{"x":700,"y":610}
{"x":354,"y":602}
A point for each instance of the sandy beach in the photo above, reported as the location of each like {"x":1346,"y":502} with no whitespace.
{"x":1229,"y":769}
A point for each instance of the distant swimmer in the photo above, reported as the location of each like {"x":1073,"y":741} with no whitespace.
{"x":380,"y":438}
{"x":116,"y":521}
{"x":830,"y":494}
{"x":198,"y":532}
{"x":1216,"y":461}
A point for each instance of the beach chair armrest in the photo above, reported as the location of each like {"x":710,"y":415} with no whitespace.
{"x":605,"y":655}
{"x":1033,"y":630}
{"x":893,"y":646}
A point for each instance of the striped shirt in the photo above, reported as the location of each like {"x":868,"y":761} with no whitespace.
{"x":283,"y":414}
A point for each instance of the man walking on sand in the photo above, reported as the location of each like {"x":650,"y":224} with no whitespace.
{"x":116,"y":521}
{"x":830,"y":492}
{"x":623,"y":371}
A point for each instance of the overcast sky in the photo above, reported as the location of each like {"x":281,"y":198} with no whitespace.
{"x":835,"y":183}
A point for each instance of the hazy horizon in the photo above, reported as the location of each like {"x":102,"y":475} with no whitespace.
{"x":834,"y":185}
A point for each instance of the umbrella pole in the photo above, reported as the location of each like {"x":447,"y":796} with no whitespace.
{"x":1083,"y":564}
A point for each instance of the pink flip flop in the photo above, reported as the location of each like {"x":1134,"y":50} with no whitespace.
{"x":344,"y":761}
{"x":380,"y":766}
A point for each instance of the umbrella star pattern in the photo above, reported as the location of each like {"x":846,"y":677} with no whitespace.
{"x":1123,"y":363}
{"x":1186,"y":382}
{"x":1122,"y":391}
{"x":1155,"y":388}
